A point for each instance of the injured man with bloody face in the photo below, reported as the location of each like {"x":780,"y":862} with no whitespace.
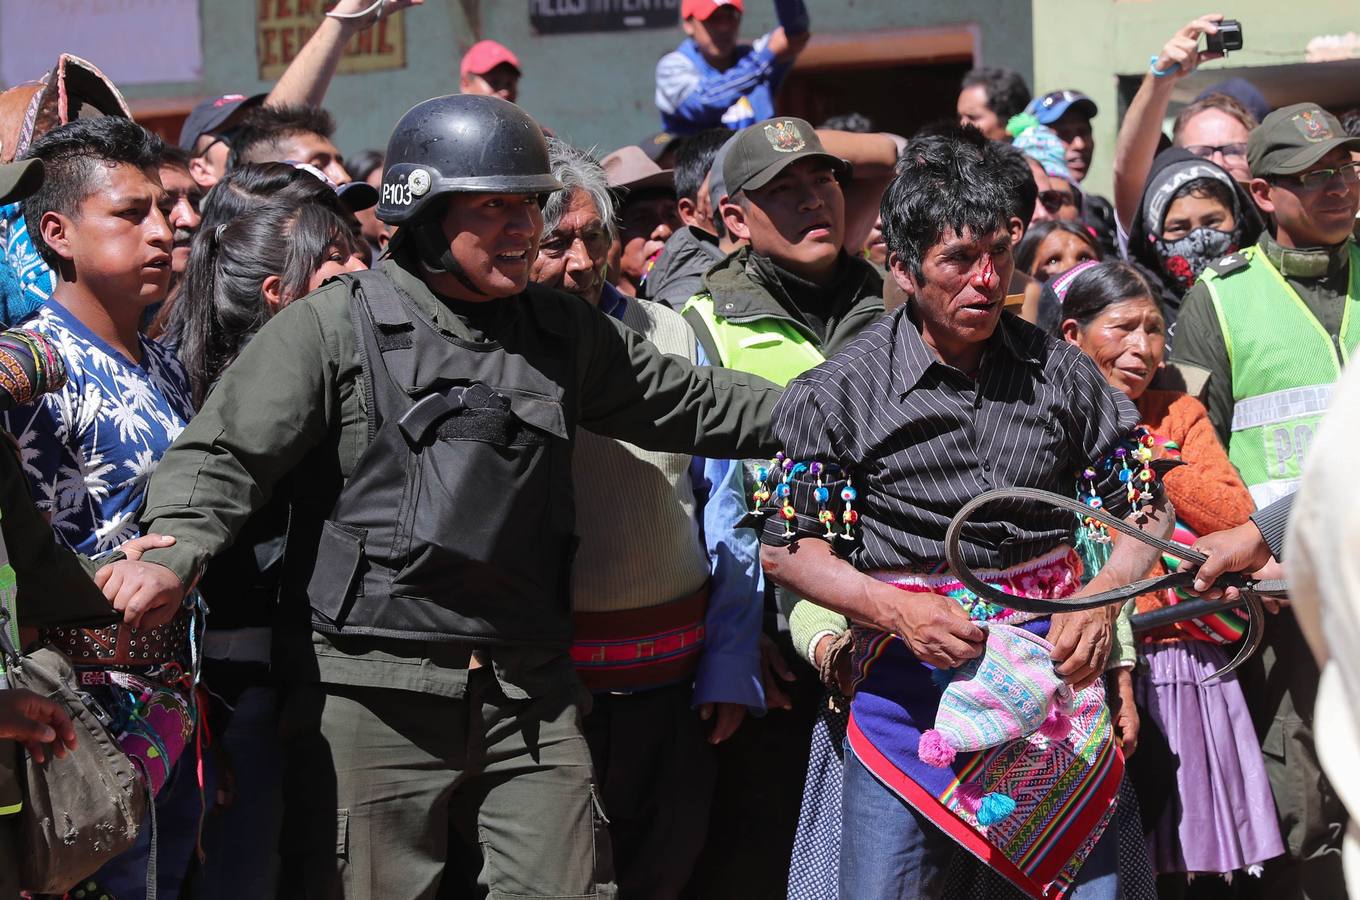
{"x":945,"y":399}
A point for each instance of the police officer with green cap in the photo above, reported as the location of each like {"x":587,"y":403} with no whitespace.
{"x":1272,"y":326}
{"x":420,"y":420}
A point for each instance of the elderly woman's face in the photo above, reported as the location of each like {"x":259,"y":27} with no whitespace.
{"x":1127,"y":341}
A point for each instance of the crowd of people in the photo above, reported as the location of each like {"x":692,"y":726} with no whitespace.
{"x":479,"y":516}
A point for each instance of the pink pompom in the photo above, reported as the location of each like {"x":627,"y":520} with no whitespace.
{"x":934,"y":750}
{"x":1057,"y":726}
{"x":969,"y":796}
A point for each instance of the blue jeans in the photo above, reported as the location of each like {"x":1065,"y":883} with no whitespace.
{"x":889,"y":851}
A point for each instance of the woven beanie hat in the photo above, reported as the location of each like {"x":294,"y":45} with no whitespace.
{"x":1007,"y":693}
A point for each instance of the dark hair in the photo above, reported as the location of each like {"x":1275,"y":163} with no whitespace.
{"x":1102,"y":286}
{"x":363,"y":164}
{"x":1021,"y":178}
{"x":175,"y":158}
{"x":1224,"y":103}
{"x":264,"y":127}
{"x":944,"y":182}
{"x":222,"y":304}
{"x":694,"y":159}
{"x":1028,"y":249}
{"x":1210,"y":188}
{"x":71,"y":155}
{"x":1007,"y":93}
{"x":851,"y":121}
{"x":247,"y":186}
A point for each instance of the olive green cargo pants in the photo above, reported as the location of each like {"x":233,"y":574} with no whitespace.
{"x":379,"y":780}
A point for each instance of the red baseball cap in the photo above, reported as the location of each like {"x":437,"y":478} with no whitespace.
{"x":702,"y":9}
{"x":484,"y":56}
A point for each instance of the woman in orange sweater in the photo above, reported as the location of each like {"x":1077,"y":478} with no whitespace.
{"x":1223,"y":817}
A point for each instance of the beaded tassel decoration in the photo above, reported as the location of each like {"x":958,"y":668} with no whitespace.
{"x":849,"y":516}
{"x":1140,"y":485}
{"x":761,"y":492}
{"x":822,"y":494}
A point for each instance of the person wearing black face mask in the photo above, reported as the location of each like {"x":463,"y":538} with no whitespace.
{"x":1191,"y":214}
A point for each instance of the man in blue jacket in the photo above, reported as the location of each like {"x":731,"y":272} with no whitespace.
{"x":712,"y":81}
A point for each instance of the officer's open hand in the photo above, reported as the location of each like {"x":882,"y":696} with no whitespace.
{"x":36,"y":722}
{"x":147,"y":594}
{"x":936,"y":628}
{"x":1081,"y":644}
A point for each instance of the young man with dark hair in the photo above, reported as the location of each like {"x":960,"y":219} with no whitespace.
{"x":989,"y":96}
{"x":943,"y":400}
{"x":693,"y":248}
{"x":100,"y":222}
{"x":711,"y":81}
{"x":289,"y":134}
{"x":794,"y":296}
{"x":777,"y":307}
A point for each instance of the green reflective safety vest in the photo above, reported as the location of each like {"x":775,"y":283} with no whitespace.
{"x":768,"y":347}
{"x":1284,"y":367}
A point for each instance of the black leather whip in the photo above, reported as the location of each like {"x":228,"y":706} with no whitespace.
{"x":1250,"y":589}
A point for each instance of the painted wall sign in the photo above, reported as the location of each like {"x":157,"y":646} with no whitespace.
{"x":283,"y":26}
{"x":567,"y":16}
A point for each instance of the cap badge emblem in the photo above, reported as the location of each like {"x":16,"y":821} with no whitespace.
{"x":419,"y":182}
{"x":1313,"y":126}
{"x":785,"y":137}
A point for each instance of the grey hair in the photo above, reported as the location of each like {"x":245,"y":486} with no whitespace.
{"x":577,"y":170}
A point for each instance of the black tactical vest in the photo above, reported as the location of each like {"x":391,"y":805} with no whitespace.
{"x":458,"y":522}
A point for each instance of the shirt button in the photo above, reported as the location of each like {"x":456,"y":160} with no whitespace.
{"x":986,"y":465}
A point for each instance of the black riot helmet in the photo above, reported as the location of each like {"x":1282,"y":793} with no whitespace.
{"x":462,"y":143}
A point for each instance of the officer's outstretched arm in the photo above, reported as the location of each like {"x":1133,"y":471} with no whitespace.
{"x":272,"y":405}
{"x":632,"y":391}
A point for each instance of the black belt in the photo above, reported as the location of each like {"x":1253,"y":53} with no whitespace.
{"x":1250,"y":588}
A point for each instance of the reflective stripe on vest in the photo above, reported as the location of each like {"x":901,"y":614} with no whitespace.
{"x":1284,"y":364}
{"x":770,"y":348}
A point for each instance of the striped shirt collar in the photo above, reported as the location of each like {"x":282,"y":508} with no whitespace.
{"x":917,"y":358}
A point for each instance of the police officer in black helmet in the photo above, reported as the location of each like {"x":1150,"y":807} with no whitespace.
{"x":419,"y":417}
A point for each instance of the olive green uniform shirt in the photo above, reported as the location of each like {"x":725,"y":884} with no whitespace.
{"x":1321,"y":278}
{"x":290,"y":414}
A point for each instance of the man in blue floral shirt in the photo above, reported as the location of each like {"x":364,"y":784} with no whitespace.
{"x":99,"y":222}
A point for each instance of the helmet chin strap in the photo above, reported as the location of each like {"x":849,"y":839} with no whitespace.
{"x":435,"y":253}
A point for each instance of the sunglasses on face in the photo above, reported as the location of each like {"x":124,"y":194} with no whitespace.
{"x":1320,"y":178}
{"x":1053,"y":201}
{"x":1205,"y":151}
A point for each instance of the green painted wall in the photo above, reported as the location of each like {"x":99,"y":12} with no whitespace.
{"x":594,"y":89}
{"x":1109,"y":38}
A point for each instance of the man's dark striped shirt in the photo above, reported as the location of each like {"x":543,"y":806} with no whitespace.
{"x":921,"y":438}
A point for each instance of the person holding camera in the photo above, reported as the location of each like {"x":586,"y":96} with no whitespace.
{"x":1215,"y":130}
